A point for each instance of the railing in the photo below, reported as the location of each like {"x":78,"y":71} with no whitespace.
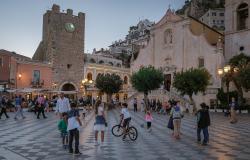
{"x":37,"y":84}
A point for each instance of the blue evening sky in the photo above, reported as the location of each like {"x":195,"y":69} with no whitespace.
{"x":106,"y":20}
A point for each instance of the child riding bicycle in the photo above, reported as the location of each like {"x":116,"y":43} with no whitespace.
{"x":125,"y":118}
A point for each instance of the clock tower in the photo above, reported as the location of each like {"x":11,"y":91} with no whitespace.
{"x":62,"y":46}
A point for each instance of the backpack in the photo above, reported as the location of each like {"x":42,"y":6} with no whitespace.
{"x":177,"y":112}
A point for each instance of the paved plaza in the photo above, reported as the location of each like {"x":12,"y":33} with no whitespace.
{"x":33,"y":139}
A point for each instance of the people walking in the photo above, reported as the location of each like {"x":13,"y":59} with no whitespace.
{"x":74,"y":124}
{"x":100,"y":122}
{"x":135,"y":104}
{"x":3,"y":106}
{"x":41,"y":106}
{"x":176,"y":113}
{"x":62,"y":105}
{"x":142,"y":105}
{"x":233,"y":108}
{"x":18,"y":105}
{"x":149,"y":119}
{"x":62,"y":126}
{"x":203,"y":121}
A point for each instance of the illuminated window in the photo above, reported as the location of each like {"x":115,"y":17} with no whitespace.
{"x":89,"y":76}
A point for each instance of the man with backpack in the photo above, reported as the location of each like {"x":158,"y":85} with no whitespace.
{"x":176,"y":113}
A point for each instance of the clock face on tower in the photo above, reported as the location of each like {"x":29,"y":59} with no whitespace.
{"x":70,"y":27}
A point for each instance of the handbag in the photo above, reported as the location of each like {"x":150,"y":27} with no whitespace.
{"x":171,"y":123}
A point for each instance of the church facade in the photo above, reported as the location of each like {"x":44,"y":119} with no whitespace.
{"x":179,"y":43}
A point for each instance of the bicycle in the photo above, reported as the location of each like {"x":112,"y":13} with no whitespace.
{"x":131,"y":131}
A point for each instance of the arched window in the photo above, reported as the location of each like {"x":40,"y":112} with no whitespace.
{"x":99,"y":74}
{"x":242,"y":16}
{"x":118,"y":65}
{"x":125,"y":80}
{"x":168,"y":36}
{"x":92,"y":60}
{"x":101,"y":62}
{"x":89,"y":76}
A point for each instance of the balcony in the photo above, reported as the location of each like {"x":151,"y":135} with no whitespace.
{"x":37,"y":84}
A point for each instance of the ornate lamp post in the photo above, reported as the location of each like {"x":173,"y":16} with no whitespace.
{"x":86,"y":83}
{"x":227,"y":72}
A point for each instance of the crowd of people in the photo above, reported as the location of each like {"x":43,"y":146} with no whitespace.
{"x":69,"y":122}
{"x":176,"y":113}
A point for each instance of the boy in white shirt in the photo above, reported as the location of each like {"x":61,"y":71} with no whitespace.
{"x":126,"y":118}
{"x":74,"y":124}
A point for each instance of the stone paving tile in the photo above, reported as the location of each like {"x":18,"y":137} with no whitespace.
{"x":39,"y":139}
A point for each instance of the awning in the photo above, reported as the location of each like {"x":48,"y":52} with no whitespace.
{"x":65,"y":92}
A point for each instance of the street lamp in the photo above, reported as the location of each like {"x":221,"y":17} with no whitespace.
{"x":86,"y":83}
{"x":19,"y":76}
{"x":225,"y":71}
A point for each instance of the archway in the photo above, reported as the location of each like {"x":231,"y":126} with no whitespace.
{"x":68,"y":87}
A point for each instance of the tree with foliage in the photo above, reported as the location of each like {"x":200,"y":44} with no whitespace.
{"x":191,"y":82}
{"x":223,"y":98}
{"x":146,"y":80}
{"x":239,"y":74}
{"x":109,"y":84}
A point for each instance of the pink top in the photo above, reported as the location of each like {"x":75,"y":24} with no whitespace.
{"x":148,"y":118}
{"x":41,"y":100}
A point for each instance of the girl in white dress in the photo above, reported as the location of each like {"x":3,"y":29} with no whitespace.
{"x":100,"y":122}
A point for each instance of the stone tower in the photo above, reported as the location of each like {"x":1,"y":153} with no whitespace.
{"x":62,"y":46}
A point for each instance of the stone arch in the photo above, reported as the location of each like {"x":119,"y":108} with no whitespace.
{"x":242,"y":16}
{"x":101,"y":62}
{"x":111,"y":63}
{"x":98,"y":74}
{"x":68,"y":86}
{"x":118,"y":65}
{"x":92,"y":60}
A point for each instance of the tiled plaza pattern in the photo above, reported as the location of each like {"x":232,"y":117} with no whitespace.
{"x":33,"y":139}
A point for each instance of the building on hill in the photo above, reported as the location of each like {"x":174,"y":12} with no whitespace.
{"x":214,"y":18}
{"x":177,"y":44}
{"x":197,"y":8}
{"x":137,"y":36}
